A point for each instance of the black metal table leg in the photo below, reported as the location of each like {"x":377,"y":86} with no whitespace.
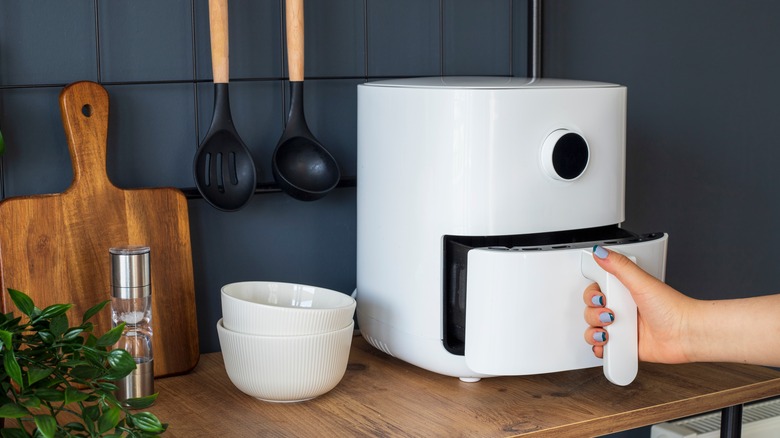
{"x":731,"y":422}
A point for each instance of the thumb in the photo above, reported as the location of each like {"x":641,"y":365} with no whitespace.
{"x":627,"y":272}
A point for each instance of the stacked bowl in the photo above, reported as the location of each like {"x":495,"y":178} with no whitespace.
{"x":285,"y":342}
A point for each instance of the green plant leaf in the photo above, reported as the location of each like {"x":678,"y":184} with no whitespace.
{"x":88,"y":327}
{"x":75,"y":362}
{"x":96,"y":358}
{"x":91,"y":413}
{"x":109,"y":419}
{"x":85,"y":372}
{"x":12,"y":367}
{"x":141,"y":402}
{"x":107,"y":387}
{"x":48,"y":365}
{"x":31,"y":403}
{"x":35,"y":374}
{"x":75,"y":426}
{"x":72,"y":333}
{"x":50,"y":395}
{"x":13,"y":410}
{"x":46,"y":337}
{"x":147,"y":422}
{"x":7,"y":338}
{"x":13,"y":433}
{"x":47,"y":425}
{"x":54,"y":310}
{"x":94,"y":310}
{"x":74,"y":395}
{"x":59,"y":324}
{"x":121,"y":364}
{"x":10,"y":321}
{"x":90,"y":341}
{"x":22,"y":301}
{"x":120,"y":359}
{"x":86,"y":416}
{"x":111,"y":337}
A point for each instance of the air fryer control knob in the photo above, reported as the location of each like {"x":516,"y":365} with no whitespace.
{"x":565,"y":155}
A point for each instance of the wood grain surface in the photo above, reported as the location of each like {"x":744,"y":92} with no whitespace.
{"x":295,"y":39}
{"x":383,"y":396}
{"x":55,"y":247}
{"x":220,"y":41}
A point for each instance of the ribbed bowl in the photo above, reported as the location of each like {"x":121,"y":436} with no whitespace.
{"x":285,"y":368}
{"x":270,"y":308}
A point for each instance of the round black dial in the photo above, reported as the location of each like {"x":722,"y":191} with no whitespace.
{"x":570,"y":156}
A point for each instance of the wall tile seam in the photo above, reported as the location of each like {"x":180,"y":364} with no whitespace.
{"x":283,"y":58}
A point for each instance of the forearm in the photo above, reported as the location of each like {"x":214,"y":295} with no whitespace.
{"x":742,"y":330}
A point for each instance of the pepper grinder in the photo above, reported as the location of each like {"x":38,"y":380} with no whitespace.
{"x":131,"y":303}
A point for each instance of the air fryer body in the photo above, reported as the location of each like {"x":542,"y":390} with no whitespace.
{"x":476,"y":198}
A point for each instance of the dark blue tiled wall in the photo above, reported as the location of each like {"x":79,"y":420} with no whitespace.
{"x":702,"y":152}
{"x":702,"y":161}
{"x":154,"y":59}
{"x":145,"y":40}
{"x":396,"y":50}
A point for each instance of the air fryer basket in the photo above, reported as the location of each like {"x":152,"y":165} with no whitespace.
{"x":455,"y":253}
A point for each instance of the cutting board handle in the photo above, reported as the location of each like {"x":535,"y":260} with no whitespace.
{"x":84,"y":108}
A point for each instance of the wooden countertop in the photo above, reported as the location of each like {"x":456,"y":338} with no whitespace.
{"x":383,"y":396}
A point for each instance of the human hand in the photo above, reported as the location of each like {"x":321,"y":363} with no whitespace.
{"x":662,"y":311}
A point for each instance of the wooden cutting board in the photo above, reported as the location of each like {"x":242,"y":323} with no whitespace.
{"x":55,"y":247}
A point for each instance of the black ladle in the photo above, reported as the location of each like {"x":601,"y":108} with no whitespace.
{"x":224,"y":171}
{"x":301,"y":166}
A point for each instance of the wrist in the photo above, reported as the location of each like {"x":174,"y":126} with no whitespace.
{"x":710,"y":334}
{"x":693,"y":336}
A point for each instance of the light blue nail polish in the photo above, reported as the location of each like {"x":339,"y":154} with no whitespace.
{"x":597,"y":300}
{"x":600,"y":252}
{"x":599,"y":336}
{"x":606,"y":317}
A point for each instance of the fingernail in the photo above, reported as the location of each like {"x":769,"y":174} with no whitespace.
{"x":599,"y":336}
{"x":606,"y":317}
{"x":600,"y":252}
{"x":597,"y":300}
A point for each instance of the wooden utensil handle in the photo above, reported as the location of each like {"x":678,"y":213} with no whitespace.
{"x":84,"y":109}
{"x":294,"y":18}
{"x":218,"y":26}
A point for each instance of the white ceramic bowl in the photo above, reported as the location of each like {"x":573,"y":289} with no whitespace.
{"x":285,"y":368}
{"x":284,"y":309}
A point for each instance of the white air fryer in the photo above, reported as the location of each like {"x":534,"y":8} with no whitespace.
{"x":479,"y":201}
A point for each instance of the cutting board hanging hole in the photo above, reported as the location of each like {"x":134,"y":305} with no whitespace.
{"x":86,"y":110}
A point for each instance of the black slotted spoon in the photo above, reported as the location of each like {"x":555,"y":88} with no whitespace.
{"x":224,"y":171}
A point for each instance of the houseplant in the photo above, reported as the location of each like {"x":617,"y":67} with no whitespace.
{"x":57,"y":380}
